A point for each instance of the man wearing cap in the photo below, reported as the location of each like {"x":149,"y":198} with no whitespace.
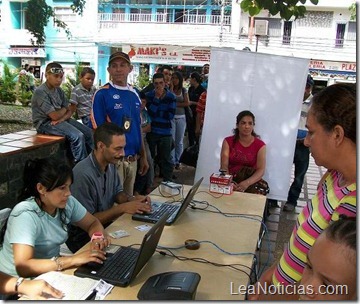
{"x":51,"y":114}
{"x":302,"y":153}
{"x":118,"y":102}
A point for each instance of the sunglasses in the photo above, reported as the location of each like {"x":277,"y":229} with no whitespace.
{"x":56,"y":71}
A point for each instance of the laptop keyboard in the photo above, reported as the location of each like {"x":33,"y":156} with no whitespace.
{"x":120,"y":264}
{"x":164,"y":208}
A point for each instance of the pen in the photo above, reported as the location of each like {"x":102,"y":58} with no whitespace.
{"x":92,"y":295}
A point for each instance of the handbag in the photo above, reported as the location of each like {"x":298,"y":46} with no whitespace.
{"x":260,"y":187}
{"x":190,"y":155}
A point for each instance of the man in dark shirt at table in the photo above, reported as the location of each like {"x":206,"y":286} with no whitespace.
{"x":96,"y":184}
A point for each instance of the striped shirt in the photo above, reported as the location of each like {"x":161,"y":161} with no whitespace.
{"x":82,"y":98}
{"x":161,"y":112}
{"x":327,"y":205}
{"x":200,"y":107}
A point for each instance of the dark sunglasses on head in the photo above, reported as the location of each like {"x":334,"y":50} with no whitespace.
{"x":56,"y":71}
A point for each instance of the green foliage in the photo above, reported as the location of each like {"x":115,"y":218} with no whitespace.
{"x":71,"y":81}
{"x":352,"y":10}
{"x":8,"y":85}
{"x":78,"y":6}
{"x":143,"y":79}
{"x":23,"y":93}
{"x":38,"y":15}
{"x":286,"y":8}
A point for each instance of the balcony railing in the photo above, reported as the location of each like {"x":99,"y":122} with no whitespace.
{"x":106,"y":18}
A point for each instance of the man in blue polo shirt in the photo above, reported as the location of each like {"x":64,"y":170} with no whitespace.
{"x":96,"y":184}
{"x":119,"y":103}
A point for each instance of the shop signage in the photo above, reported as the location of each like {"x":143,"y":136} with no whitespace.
{"x":333,"y":65}
{"x":169,"y":54}
{"x":26,"y":52}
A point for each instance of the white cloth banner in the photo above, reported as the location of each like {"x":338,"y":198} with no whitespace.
{"x":272,"y":87}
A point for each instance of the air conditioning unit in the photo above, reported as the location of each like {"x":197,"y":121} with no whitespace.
{"x":261,"y":27}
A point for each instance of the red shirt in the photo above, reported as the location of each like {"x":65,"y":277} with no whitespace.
{"x":200,"y":107}
{"x":240,"y":156}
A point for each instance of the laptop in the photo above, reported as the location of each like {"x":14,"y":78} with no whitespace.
{"x":174,"y":210}
{"x":121,"y":267}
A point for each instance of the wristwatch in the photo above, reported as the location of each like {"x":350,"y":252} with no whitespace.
{"x":18,"y":282}
{"x":59,"y":264}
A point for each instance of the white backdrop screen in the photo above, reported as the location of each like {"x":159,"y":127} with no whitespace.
{"x":272,"y":87}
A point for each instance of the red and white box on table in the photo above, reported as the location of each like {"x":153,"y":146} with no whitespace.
{"x":221,"y":183}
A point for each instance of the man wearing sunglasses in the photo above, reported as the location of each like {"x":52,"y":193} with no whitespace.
{"x":51,"y":114}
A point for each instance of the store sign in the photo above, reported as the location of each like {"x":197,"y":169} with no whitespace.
{"x":169,"y":54}
{"x":333,"y":69}
{"x":333,"y":65}
{"x":26,"y":52}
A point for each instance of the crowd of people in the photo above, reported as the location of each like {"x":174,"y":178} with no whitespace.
{"x":125,"y":133}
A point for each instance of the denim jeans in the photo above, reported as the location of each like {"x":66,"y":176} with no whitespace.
{"x":86,"y":120}
{"x":301,"y":162}
{"x":160,"y":147}
{"x":178,"y":125}
{"x":79,"y":136}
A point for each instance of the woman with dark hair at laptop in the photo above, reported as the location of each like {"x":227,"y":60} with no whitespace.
{"x":37,"y":226}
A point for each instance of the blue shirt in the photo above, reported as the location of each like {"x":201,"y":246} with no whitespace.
{"x":114,"y":104}
{"x":161,"y":112}
{"x":29,"y":225}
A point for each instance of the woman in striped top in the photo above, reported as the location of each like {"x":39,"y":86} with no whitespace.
{"x":331,"y":122}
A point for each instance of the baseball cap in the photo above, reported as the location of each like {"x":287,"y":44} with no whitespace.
{"x":120,"y":55}
{"x":309,"y":81}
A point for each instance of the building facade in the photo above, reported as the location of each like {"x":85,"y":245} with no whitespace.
{"x":181,"y":32}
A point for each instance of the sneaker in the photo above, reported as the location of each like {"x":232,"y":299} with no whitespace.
{"x":289,"y":207}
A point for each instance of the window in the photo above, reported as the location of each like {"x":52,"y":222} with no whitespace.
{"x":274,"y":26}
{"x":316,"y":19}
{"x":179,"y":16}
{"x":287,"y":32}
{"x":340,"y":33}
{"x":18,"y":15}
{"x":351,"y":34}
{"x":65,"y":14}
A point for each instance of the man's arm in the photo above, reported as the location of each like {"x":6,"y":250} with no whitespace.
{"x":124,"y":204}
{"x":56,"y":116}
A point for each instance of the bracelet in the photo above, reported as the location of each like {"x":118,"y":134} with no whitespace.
{"x":18,"y":282}
{"x":129,"y":197}
{"x":59,"y":264}
{"x":97,"y":236}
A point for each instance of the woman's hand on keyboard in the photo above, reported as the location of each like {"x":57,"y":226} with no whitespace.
{"x":91,"y":255}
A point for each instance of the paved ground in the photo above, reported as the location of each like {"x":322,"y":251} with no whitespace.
{"x":279,"y":223}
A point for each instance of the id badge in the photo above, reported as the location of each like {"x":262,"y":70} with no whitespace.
{"x":126,"y":123}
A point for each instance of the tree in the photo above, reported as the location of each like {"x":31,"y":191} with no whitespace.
{"x":38,"y":15}
{"x":286,"y":8}
{"x":352,"y":10}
